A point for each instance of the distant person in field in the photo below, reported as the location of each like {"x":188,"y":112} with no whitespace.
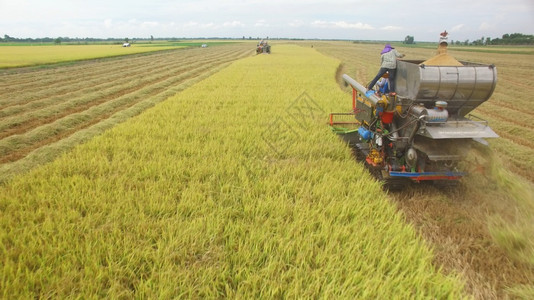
{"x":389,"y":64}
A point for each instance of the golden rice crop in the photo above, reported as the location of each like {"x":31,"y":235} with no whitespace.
{"x":235,"y":188}
{"x":19,"y":56}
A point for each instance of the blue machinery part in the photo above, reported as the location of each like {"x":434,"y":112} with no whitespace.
{"x":418,"y":176}
{"x":365,"y":133}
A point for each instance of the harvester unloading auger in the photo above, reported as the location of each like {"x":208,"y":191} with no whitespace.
{"x":423,"y":131}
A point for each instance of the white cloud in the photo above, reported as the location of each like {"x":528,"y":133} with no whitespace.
{"x":457,"y":27}
{"x":233,"y":24}
{"x":208,"y":25}
{"x":391,"y":28}
{"x":343,"y":19}
{"x":108,"y":23}
{"x":149,"y":24}
{"x":341,"y":24}
{"x":485,"y":26}
{"x":261,"y":23}
{"x":296,"y":23}
{"x":191,"y":24}
{"x":320,"y":23}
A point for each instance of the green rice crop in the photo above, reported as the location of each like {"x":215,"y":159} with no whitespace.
{"x":234,"y":187}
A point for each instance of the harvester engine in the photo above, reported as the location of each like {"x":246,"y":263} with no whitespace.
{"x":421,"y":132}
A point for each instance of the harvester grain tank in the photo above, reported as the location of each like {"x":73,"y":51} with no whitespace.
{"x":421,"y":132}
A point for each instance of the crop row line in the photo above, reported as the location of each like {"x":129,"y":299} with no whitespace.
{"x":106,"y":84}
{"x":64,"y":83}
{"x":512,"y":131}
{"x":62,"y":109}
{"x":519,"y":85}
{"x":521,"y":141}
{"x":121,"y":67}
{"x":115,"y":88}
{"x":16,"y":147}
{"x":29,"y":77}
{"x":507,"y":114}
{"x":49,"y":151}
{"x":519,"y":158}
{"x":59,"y":75}
{"x":511,"y":98}
{"x":10,"y":147}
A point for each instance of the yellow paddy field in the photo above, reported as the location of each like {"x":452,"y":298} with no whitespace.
{"x":234,"y":187}
{"x":212,"y":172}
{"x":19,"y":56}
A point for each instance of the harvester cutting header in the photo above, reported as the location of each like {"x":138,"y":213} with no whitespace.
{"x":422,"y":130}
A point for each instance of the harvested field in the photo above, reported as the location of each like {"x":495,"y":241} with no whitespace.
{"x":13,"y":56}
{"x":42,"y":109}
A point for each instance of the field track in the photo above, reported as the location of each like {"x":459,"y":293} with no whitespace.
{"x":41,"y":106}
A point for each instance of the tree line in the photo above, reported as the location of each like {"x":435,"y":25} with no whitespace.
{"x":9,"y":39}
{"x":506,"y":39}
{"x":513,"y":39}
{"x":59,"y":40}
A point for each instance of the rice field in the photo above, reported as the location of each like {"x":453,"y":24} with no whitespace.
{"x":20,"y":56}
{"x":63,"y":106}
{"x":211,"y":173}
{"x":203,"y":196}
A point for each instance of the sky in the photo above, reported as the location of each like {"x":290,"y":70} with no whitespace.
{"x":308,"y":19}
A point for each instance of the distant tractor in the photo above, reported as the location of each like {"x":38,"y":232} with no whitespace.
{"x":263,"y":47}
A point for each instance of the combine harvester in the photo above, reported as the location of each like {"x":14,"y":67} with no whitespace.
{"x":423,"y":131}
{"x":263,"y":47}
